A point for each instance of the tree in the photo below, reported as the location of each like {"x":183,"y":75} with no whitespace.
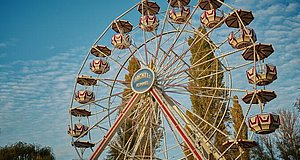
{"x":124,"y":132}
{"x":25,"y":151}
{"x":131,"y":128}
{"x":237,"y":118}
{"x":288,"y":135}
{"x":206,"y":107}
{"x":265,"y":148}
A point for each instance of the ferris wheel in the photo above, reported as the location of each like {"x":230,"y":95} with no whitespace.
{"x":159,"y":82}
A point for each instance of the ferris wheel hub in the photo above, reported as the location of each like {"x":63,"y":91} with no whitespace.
{"x":142,"y":80}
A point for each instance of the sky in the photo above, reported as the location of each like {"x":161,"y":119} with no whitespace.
{"x":43,"y":43}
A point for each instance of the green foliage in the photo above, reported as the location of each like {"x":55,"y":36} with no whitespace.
{"x":288,"y":135}
{"x":265,"y":148}
{"x":237,"y":118}
{"x":25,"y":151}
{"x":131,"y":129}
{"x":203,"y":74}
{"x":125,"y":131}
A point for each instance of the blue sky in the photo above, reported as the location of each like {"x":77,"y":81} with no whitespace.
{"x":42,"y":44}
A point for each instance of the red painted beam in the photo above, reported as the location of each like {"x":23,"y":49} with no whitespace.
{"x":113,"y":129}
{"x":164,"y":107}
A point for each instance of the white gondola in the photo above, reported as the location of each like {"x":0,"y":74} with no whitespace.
{"x":244,"y":38}
{"x":264,"y":123}
{"x":149,"y":23}
{"x":78,"y":130}
{"x":99,"y":66}
{"x":84,"y":96}
{"x":264,"y":75}
{"x":212,"y":18}
{"x":179,"y":15}
{"x":121,"y":41}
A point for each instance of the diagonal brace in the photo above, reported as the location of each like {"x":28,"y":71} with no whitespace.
{"x":113,"y":129}
{"x":165,"y":105}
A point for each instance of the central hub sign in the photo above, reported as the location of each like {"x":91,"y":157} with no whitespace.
{"x":142,"y":80}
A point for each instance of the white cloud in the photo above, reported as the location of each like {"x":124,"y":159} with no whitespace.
{"x":51,"y":47}
{"x":3,"y":55}
{"x":34,"y":100}
{"x":2,"y":45}
{"x":35,"y":95}
{"x":292,"y":7}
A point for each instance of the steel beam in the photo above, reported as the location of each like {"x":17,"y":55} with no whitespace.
{"x":165,"y":105}
{"x":113,"y":129}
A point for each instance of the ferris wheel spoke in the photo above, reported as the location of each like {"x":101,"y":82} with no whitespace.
{"x":166,"y":56}
{"x":166,"y":45}
{"x":199,"y":63}
{"x":145,"y":44}
{"x":203,"y":120}
{"x":167,"y":82}
{"x":210,"y":60}
{"x":119,"y":82}
{"x":186,"y":51}
{"x":103,"y":81}
{"x":182,"y":29}
{"x":204,"y":36}
{"x":161,"y":33}
{"x":159,"y":47}
{"x":184,"y":92}
{"x":179,"y":144}
{"x":226,"y":69}
{"x":198,"y":88}
{"x":143,"y":122}
{"x":140,"y":55}
{"x":177,"y":79}
{"x":171,"y":57}
{"x":179,"y":66}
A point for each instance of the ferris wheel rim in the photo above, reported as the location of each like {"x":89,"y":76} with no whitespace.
{"x":136,"y":49}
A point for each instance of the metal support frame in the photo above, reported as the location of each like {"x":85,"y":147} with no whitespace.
{"x":165,"y":107}
{"x":111,"y":132}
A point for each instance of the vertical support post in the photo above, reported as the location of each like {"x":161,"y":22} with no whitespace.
{"x":164,"y":106}
{"x":113,"y":129}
